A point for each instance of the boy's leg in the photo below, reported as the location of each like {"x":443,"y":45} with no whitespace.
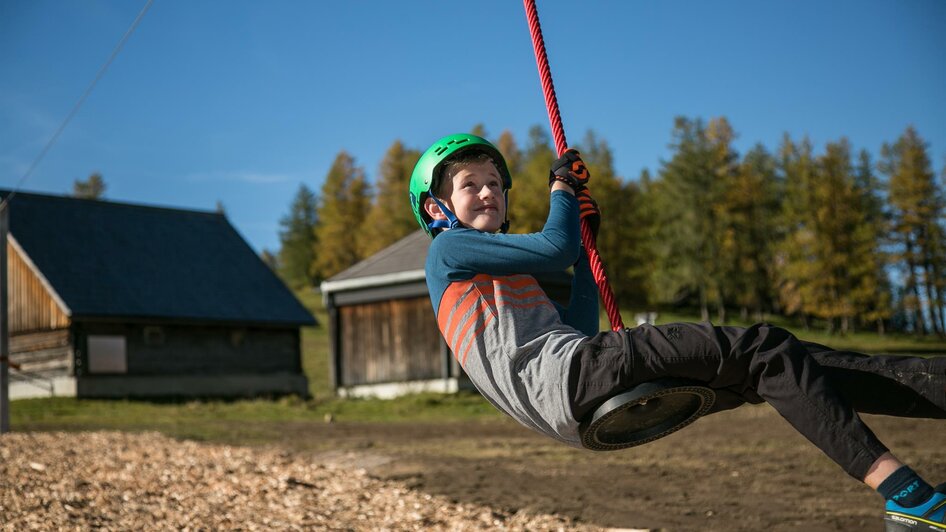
{"x":901,"y":386}
{"x":754,"y":364}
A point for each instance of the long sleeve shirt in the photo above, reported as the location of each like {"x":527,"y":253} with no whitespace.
{"x":510,"y":338}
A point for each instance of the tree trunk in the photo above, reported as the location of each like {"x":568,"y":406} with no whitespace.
{"x":721,"y":313}
{"x":918,"y":322}
{"x":930,"y":299}
{"x":704,"y":305}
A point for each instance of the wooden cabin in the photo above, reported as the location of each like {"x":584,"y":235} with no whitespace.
{"x":112,"y":299}
{"x":384,"y":339}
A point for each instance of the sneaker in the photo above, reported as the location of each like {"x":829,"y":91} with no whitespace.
{"x":927,"y":517}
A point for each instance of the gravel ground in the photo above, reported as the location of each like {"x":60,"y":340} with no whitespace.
{"x":119,"y":481}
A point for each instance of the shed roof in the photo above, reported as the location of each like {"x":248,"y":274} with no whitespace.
{"x":117,"y":260}
{"x":402,"y":262}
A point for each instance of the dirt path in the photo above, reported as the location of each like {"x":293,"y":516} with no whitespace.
{"x":744,"y":470}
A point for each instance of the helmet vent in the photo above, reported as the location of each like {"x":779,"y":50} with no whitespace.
{"x":445,"y":147}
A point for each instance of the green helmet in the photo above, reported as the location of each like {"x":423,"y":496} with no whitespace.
{"x":427,"y":172}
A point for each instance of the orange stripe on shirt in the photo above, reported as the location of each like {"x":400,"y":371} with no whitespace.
{"x":516,"y":281}
{"x":482,"y":315}
{"x":454,"y":321}
{"x":473,"y":338}
{"x":451,"y":296}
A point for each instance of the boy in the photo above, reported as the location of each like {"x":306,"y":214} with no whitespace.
{"x":548,"y":367}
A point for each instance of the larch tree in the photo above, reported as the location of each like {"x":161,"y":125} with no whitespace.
{"x":390,"y":217}
{"x":529,"y":197}
{"x":345,"y":198}
{"x":752,"y":204}
{"x":917,"y":210}
{"x":797,"y":272}
{"x":844,"y":240}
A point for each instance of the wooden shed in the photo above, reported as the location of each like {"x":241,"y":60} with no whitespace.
{"x":384,"y":339}
{"x":112,"y":299}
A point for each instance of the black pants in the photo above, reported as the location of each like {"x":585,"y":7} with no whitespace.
{"x":817,"y":390}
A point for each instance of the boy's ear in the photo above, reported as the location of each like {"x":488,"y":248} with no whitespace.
{"x":433,"y":210}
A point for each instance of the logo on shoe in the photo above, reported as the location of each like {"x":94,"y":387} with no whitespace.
{"x":908,"y":490}
{"x":901,"y":519}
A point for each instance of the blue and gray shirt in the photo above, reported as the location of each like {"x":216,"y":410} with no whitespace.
{"x":515,"y":343}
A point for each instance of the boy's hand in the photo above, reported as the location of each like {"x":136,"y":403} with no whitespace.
{"x":588,"y":210}
{"x":570,"y":169}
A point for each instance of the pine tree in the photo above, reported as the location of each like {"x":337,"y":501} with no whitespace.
{"x":390,"y":217}
{"x":722,"y":162}
{"x":298,"y":244}
{"x":676,"y":273}
{"x":689,"y":259}
{"x":874,"y":296}
{"x":92,"y":188}
{"x":619,"y":242}
{"x":345,"y":199}
{"x":917,"y":208}
{"x":645,"y":224}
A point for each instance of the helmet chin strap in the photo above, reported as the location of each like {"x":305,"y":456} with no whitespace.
{"x":452,"y":222}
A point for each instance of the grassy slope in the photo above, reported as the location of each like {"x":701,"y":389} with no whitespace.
{"x":259,"y":420}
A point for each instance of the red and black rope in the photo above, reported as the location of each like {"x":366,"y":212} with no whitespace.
{"x":558,"y":133}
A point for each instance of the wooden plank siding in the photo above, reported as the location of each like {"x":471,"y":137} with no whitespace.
{"x":31,"y":306}
{"x":389,"y":341}
{"x":46,"y":352}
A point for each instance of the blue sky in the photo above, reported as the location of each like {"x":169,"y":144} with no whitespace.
{"x":241,"y":101}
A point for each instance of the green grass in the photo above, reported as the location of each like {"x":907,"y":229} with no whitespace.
{"x":861,"y":341}
{"x":261,"y":421}
{"x":245,"y":422}
{"x":315,"y":344}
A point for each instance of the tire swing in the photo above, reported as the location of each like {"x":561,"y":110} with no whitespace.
{"x":650,"y":410}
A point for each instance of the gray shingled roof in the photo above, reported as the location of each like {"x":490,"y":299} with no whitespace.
{"x":406,"y":255}
{"x":106,"y":259}
{"x":403,"y":262}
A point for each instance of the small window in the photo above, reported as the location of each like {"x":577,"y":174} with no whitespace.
{"x":154,"y":335}
{"x":237,"y":337}
{"x":107,"y":354}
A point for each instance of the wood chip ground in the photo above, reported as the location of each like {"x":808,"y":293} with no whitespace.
{"x":121,"y":481}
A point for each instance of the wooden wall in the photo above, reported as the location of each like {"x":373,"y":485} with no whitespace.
{"x":31,"y":306}
{"x":389,"y":341}
{"x":45,"y":353}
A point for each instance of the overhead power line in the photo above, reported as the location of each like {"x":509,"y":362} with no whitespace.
{"x":78,"y":104}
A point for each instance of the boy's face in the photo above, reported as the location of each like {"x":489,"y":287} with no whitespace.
{"x":475,"y":196}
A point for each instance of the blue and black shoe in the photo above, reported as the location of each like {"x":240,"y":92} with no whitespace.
{"x":927,"y":517}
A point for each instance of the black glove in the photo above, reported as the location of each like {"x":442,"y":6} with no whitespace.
{"x":588,"y":210}
{"x":570,"y":169}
